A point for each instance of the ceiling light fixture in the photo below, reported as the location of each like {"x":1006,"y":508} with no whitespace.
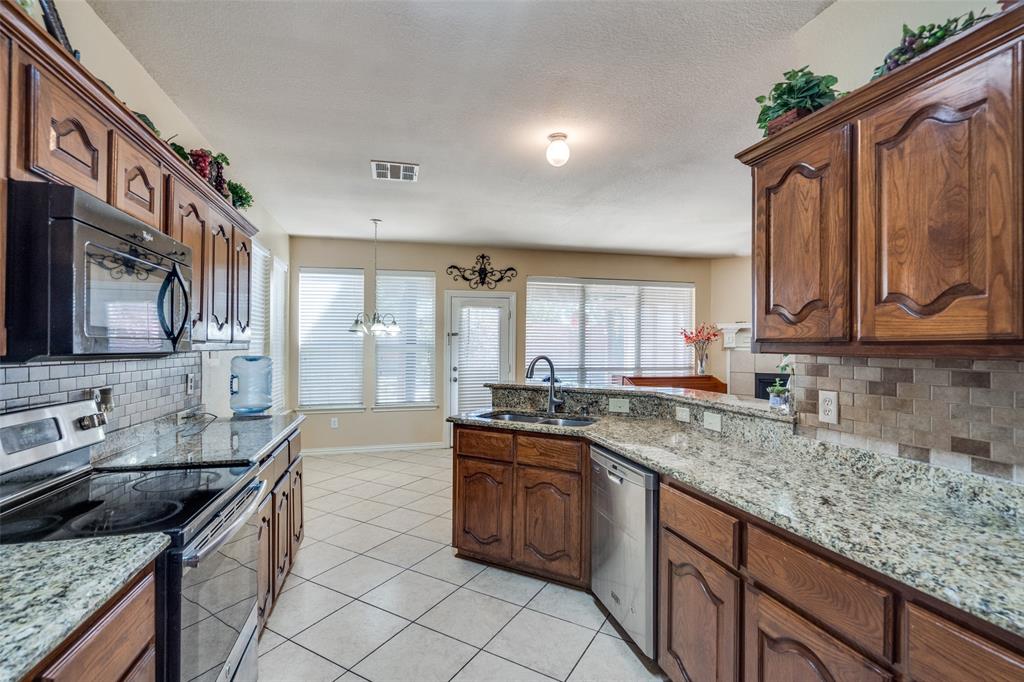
{"x":377,"y":324}
{"x":558,"y":149}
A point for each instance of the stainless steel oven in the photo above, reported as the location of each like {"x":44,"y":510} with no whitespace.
{"x":84,"y":278}
{"x":210,"y":599}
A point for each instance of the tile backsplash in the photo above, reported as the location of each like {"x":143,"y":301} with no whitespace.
{"x":963,"y":414}
{"x":143,"y":389}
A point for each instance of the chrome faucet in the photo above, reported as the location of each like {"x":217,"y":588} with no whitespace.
{"x":553,"y":402}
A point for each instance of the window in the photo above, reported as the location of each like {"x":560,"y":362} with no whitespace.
{"x":405,"y":363}
{"x":269,"y":301}
{"x":596,"y":329}
{"x":330,"y":357}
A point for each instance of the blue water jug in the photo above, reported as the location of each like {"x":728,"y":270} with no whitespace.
{"x":251,"y":380}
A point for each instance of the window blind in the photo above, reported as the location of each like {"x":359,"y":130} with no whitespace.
{"x":594,"y":330}
{"x":259,"y":301}
{"x":405,"y":363}
{"x":279,"y":334}
{"x":330,"y":357}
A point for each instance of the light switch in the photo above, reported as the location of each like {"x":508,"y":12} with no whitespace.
{"x":618,"y":405}
{"x":828,"y":407}
{"x":712,"y":421}
{"x":683,"y":414}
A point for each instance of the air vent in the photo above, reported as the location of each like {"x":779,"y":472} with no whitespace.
{"x":395,"y":170}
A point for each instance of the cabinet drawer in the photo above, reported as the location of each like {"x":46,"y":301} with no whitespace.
{"x":110,"y":648}
{"x":853,"y":606}
{"x":294,"y":446}
{"x":136,"y":182}
{"x":552,"y":453}
{"x":274,"y":466}
{"x":939,"y":651}
{"x":712,"y":530}
{"x":486,"y":444}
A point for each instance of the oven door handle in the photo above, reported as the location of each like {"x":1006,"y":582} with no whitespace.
{"x":194,"y":559}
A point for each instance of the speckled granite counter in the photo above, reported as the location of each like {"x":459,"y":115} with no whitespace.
{"x":224,"y":442}
{"x":47,"y":589}
{"x":957,"y":537}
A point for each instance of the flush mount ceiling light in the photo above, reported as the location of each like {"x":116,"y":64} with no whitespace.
{"x":377,"y":324}
{"x":558,"y":149}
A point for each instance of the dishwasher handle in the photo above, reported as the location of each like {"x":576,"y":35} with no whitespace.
{"x":622,"y":469}
{"x":617,"y":480}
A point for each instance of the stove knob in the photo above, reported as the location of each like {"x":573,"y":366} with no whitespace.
{"x":92,"y":421}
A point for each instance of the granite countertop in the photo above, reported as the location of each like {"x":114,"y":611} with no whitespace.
{"x":47,"y":589}
{"x":725,"y":402}
{"x":198,"y":442}
{"x":882,"y":512}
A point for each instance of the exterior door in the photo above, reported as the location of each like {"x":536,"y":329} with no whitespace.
{"x":939,"y":237}
{"x":480,"y":337}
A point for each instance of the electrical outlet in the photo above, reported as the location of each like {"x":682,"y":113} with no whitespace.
{"x":618,"y":405}
{"x":190,"y":384}
{"x":828,"y":407}
{"x":683,"y":414}
{"x":712,"y":421}
{"x":334,"y":422}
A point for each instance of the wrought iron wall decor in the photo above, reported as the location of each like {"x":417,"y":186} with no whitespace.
{"x":481,"y":274}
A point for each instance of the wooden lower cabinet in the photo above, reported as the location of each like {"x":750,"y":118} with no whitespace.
{"x":699,"y":615}
{"x":282,"y":533}
{"x":296,"y":528}
{"x":483,"y":508}
{"x":265,"y":566}
{"x":548,"y":526}
{"x":780,"y":646}
{"x":941,"y":651}
{"x":119,"y":646}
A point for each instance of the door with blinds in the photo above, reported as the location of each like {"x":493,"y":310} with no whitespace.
{"x":479,"y":332}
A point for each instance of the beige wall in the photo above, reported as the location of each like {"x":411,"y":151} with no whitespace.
{"x":369,"y":427}
{"x":109,"y":60}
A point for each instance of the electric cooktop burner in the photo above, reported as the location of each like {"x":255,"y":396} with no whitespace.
{"x":120,"y":502}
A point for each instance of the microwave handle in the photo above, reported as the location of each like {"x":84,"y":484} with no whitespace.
{"x":192,"y":560}
{"x":161,"y":297}
{"x":186,"y":318}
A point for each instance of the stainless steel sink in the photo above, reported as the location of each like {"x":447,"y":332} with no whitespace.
{"x":539,"y":419}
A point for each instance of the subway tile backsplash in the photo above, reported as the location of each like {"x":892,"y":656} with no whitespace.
{"x":143,"y":389}
{"x":962,"y":414}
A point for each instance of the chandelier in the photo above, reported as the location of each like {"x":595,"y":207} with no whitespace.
{"x":377,"y":323}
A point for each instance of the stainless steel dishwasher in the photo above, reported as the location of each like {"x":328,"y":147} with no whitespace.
{"x":623,"y":543}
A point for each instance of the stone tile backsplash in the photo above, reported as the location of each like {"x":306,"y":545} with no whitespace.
{"x":963,"y":414}
{"x":143,"y":389}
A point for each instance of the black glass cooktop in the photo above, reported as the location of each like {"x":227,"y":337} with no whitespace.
{"x":122,"y":502}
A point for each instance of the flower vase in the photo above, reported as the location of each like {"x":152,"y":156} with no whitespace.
{"x":702,"y":362}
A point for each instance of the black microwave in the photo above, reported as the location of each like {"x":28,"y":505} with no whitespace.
{"x":86,"y":279}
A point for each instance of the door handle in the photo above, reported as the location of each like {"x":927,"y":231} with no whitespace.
{"x":617,"y":480}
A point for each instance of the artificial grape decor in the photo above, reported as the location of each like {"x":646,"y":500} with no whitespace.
{"x":915,"y":43}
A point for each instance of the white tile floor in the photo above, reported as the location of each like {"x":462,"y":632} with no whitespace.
{"x":376,"y":593}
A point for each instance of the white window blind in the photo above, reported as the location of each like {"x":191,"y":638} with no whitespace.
{"x":330,"y":356}
{"x":259,"y":301}
{"x":279,"y":334}
{"x":405,"y":363}
{"x":479,"y":359}
{"x":594,"y":330}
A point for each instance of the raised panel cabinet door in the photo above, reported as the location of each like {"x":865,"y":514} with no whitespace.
{"x":5,"y":113}
{"x":242,"y":285}
{"x":941,"y":651}
{"x":698,"y":615}
{"x":483,"y":508}
{"x":939,"y":210}
{"x":296,"y":529}
{"x":189,"y":222}
{"x":218,"y":281}
{"x":548,"y":526}
{"x":66,"y":139}
{"x":802,"y":241}
{"x":780,"y":646}
{"x":265,"y":565}
{"x":136,"y":182}
{"x":282,"y":534}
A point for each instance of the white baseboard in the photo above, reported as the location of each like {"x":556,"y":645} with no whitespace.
{"x":373,"y":448}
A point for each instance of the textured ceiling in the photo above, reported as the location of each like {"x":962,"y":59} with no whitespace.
{"x":655,"y":97}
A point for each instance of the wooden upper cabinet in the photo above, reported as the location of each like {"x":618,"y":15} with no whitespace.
{"x":802,"y":241}
{"x":780,"y":646}
{"x":242,"y":288}
{"x":218,"y":280}
{"x":698,"y":615}
{"x":483,"y":508}
{"x":940,"y":211}
{"x":5,"y":113}
{"x":66,"y":140}
{"x":136,"y":182}
{"x":189,"y":222}
{"x":548,"y":525}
